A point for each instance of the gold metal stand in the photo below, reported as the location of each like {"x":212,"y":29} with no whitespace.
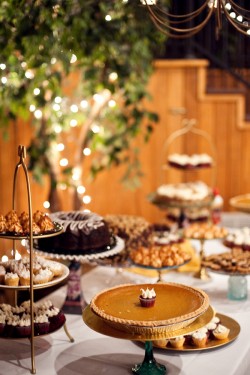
{"x":189,"y":126}
{"x":202,"y":273}
{"x":11,"y":295}
{"x":21,"y":164}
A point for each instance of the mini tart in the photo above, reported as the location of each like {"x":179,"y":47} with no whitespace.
{"x":176,"y":306}
{"x":177,"y":342}
{"x":221,"y":332}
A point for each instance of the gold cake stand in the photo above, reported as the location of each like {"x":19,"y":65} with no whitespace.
{"x":149,"y":366}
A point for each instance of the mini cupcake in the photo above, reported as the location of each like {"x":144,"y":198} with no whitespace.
{"x":210,"y":328}
{"x":55,"y":267}
{"x":2,"y":224}
{"x":11,"y":279}
{"x":177,"y":342}
{"x":147,"y":297}
{"x":41,"y":325}
{"x":43,"y":276}
{"x":2,"y":323}
{"x":216,"y":320}
{"x":56,"y":318}
{"x":24,"y":278}
{"x":221,"y":332}
{"x":10,"y":326}
{"x":23,"y":328}
{"x":199,"y":338}
{"x":161,"y":343}
{"x":2,"y":274}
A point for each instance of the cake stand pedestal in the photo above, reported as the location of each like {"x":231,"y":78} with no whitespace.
{"x":160,"y":270}
{"x":149,"y":365}
{"x":202,"y":273}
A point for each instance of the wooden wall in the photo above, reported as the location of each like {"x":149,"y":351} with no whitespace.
{"x":175,"y":85}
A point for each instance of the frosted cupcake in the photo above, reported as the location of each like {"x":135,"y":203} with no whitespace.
{"x":23,"y":328}
{"x":177,"y":342}
{"x":41,"y":325}
{"x":147,"y":297}
{"x":24,"y":278}
{"x":43,"y":276}
{"x":56,"y":318}
{"x":11,"y":279}
{"x":2,"y":323}
{"x":2,"y":274}
{"x":200,"y":338}
{"x":221,"y":332}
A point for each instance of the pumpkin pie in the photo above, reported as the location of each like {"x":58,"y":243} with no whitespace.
{"x":176,"y":306}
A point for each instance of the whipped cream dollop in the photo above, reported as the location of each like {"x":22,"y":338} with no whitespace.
{"x":148,"y":293}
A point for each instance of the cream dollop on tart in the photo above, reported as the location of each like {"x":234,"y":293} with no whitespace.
{"x":147,"y":297}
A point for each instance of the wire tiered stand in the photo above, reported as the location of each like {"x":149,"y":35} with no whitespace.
{"x":188,"y":126}
{"x":14,"y":290}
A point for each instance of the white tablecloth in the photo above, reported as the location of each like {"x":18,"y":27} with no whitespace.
{"x":94,"y":354}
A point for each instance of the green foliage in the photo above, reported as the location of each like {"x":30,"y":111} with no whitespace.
{"x":37,"y":41}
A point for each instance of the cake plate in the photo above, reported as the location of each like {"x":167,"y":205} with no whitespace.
{"x":149,"y":365}
{"x":161,"y":269}
{"x":241,"y":203}
{"x":75,"y":302}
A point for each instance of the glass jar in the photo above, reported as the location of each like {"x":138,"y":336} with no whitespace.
{"x":237,"y":288}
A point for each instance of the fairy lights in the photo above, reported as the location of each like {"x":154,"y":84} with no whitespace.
{"x":64,"y":113}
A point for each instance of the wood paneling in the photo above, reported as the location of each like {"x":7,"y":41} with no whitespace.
{"x":174,"y":85}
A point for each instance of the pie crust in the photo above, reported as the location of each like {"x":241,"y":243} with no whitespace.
{"x":176,"y":306}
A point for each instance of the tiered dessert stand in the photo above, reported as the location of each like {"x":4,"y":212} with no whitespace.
{"x":14,"y":290}
{"x":188,"y":126}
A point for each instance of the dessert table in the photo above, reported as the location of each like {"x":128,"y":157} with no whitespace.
{"x":92,"y":353}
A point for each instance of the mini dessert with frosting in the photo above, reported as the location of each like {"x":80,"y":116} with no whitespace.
{"x":200,"y":337}
{"x":15,"y":321}
{"x":177,"y":342}
{"x":239,"y":238}
{"x":147,"y":297}
{"x":184,"y":161}
{"x":183,"y":192}
{"x":221,"y":332}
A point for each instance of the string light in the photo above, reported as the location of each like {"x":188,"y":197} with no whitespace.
{"x":38,"y":114}
{"x":74,"y":108}
{"x":86,"y":151}
{"x":73,"y":59}
{"x":73,"y":123}
{"x":112,"y":103}
{"x":60,"y":147}
{"x":84,"y":104}
{"x":95,"y":128}
{"x":81,"y":189}
{"x":64,"y":162}
{"x":108,"y":18}
{"x":86,"y":199}
{"x":46,"y":204}
{"x":37,"y":91}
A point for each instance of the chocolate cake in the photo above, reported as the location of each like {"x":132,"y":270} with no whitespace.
{"x":83,"y":232}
